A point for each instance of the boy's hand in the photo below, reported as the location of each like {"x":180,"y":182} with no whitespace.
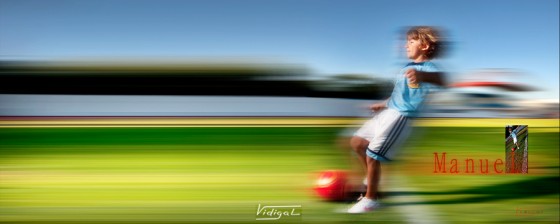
{"x":412,"y":75}
{"x":378,"y":106}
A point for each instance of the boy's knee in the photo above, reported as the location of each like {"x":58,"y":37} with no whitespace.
{"x":359,"y":143}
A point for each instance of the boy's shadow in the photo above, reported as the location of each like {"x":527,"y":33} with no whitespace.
{"x":514,"y":190}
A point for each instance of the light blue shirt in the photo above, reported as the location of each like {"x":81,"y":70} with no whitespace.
{"x":408,"y":100}
{"x":514,"y":134}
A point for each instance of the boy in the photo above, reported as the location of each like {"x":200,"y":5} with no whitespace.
{"x":376,"y":140}
{"x":513,"y":135}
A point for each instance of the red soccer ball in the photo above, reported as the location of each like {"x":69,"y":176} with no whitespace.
{"x":332,"y":185}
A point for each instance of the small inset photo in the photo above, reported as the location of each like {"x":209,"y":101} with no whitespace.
{"x":517,"y":148}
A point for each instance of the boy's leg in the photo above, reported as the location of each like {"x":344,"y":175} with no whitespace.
{"x":391,"y":128}
{"x":373,"y":176}
{"x":369,"y":202}
{"x":359,"y":145}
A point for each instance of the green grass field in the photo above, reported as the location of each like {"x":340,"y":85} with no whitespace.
{"x":221,"y":174}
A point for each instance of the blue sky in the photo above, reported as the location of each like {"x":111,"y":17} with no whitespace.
{"x":328,"y":36}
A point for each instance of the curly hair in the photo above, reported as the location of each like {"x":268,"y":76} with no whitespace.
{"x":430,"y":36}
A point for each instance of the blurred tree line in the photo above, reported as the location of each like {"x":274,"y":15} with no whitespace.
{"x":185,"y":79}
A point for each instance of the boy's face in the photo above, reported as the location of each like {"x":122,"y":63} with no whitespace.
{"x":415,"y":50}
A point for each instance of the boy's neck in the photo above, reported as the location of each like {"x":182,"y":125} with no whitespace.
{"x":420,"y":59}
{"x":419,"y":62}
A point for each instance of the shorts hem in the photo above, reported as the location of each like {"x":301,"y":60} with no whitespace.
{"x":370,"y":153}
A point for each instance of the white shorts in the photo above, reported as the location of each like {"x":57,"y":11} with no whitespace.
{"x":385,"y":131}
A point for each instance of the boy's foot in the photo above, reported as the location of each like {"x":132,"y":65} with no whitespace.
{"x":364,"y":205}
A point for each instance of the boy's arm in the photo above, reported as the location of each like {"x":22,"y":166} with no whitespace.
{"x":431,"y":77}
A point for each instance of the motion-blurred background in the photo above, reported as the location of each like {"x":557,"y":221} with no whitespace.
{"x":199,"y":111}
